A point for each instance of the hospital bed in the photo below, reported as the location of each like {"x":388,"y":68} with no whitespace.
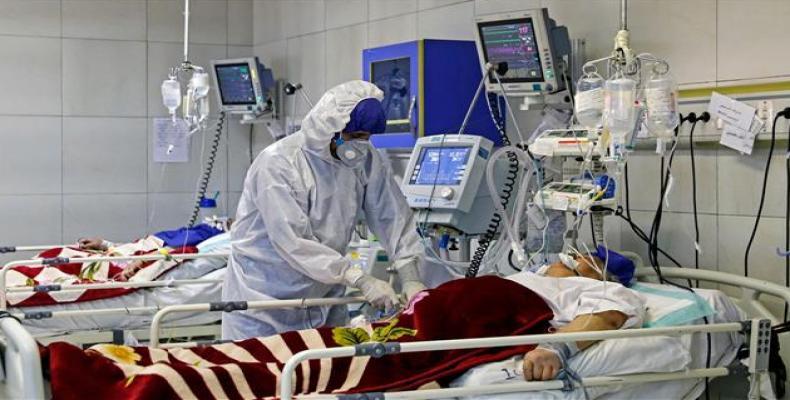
{"x":197,"y":280}
{"x":20,"y":350}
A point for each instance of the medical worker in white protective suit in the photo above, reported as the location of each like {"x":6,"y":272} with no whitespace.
{"x":297,"y":213}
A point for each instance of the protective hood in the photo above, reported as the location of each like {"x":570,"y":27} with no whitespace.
{"x":331,"y":114}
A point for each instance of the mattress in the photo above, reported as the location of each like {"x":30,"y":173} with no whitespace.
{"x":724,"y":348}
{"x":160,"y":297}
{"x":617,"y":356}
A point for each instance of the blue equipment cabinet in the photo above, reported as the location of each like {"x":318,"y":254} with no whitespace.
{"x":428,"y":86}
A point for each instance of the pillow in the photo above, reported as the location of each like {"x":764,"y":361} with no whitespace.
{"x":193,"y":269}
{"x":671,"y":306}
{"x":216,"y":244}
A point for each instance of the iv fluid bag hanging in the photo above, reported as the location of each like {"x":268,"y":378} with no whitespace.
{"x":619,"y":107}
{"x":589,"y":100}
{"x":171,"y":94}
{"x":199,"y":83}
{"x":661,"y":99}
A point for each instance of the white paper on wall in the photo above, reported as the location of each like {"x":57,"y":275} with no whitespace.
{"x":731,"y":111}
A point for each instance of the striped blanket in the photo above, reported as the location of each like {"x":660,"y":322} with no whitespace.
{"x":480,"y":307}
{"x":86,"y":273}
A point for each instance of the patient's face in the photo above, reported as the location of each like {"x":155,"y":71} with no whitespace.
{"x":585,"y":269}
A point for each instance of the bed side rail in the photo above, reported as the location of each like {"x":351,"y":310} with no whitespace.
{"x":230,"y":306}
{"x":750,"y":288}
{"x":23,"y":374}
{"x":19,"y":249}
{"x":287,"y":381}
{"x":114,"y":285}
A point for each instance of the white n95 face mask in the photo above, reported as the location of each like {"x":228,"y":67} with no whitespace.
{"x":352,"y":153}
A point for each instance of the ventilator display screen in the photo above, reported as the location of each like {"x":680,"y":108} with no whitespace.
{"x":440,"y":166}
{"x":235,"y":82}
{"x":513,"y":42}
{"x":393,"y":77}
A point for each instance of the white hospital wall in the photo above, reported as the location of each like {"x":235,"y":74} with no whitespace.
{"x":79,"y":84}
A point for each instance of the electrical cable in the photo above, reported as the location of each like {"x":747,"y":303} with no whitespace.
{"x":694,"y":192}
{"x":627,"y":194}
{"x":748,"y":251}
{"x":206,"y":178}
{"x":653,"y":246}
{"x":656,"y":225}
{"x":705,"y":117}
{"x":252,"y":154}
{"x":787,"y":218}
{"x":640,"y":233}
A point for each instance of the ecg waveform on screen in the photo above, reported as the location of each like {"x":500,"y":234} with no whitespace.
{"x":515,"y":44}
{"x":236,"y":84}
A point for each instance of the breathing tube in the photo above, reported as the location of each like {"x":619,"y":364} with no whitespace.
{"x":507,"y":187}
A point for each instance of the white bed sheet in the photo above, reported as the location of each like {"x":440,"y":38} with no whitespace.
{"x":140,"y":298}
{"x":692,"y":354}
{"x":724,"y":347}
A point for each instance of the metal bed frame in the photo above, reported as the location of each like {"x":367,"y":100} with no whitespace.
{"x":94,"y":336}
{"x":21,"y":352}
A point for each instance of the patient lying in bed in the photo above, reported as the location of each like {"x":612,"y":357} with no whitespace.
{"x":206,"y":239}
{"x":581,"y":301}
{"x":488,"y":306}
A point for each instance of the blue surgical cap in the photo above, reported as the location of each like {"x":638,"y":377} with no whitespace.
{"x":617,"y":264}
{"x":367,"y":116}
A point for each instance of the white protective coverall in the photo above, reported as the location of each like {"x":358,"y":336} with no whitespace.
{"x":296,"y":217}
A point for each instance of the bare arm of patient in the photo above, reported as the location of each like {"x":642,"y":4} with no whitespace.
{"x":542,"y":364}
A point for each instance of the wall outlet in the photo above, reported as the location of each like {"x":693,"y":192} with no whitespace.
{"x":765,"y":113}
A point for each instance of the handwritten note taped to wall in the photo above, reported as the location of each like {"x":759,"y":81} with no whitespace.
{"x":738,"y":139}
{"x":171,"y":141}
{"x":731,"y":111}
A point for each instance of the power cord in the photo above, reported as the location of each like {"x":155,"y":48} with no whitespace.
{"x":787,"y":219}
{"x":693,"y":118}
{"x":786,"y":114}
{"x":656,"y":225}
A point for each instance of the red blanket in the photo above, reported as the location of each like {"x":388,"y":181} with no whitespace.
{"x":86,"y":273}
{"x":469,"y":308}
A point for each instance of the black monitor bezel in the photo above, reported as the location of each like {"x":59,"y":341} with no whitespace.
{"x":252,"y":84}
{"x":484,"y":49}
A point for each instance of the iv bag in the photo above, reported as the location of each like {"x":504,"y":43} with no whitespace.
{"x":199,"y":83}
{"x":661,"y":99}
{"x":171,"y":95}
{"x":619,"y":107}
{"x":589,"y":100}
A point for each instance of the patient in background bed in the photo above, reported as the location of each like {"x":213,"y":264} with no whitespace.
{"x":581,"y":302}
{"x":207,"y":239}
